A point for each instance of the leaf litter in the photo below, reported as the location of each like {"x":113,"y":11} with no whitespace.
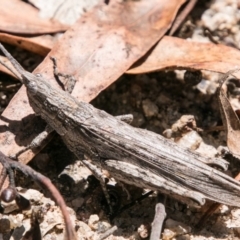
{"x":26,"y":21}
{"x":171,"y":114}
{"x":115,"y":36}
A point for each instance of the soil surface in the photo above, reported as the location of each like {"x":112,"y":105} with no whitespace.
{"x":160,"y":102}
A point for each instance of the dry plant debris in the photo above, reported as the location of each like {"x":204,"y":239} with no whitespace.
{"x":157,"y":111}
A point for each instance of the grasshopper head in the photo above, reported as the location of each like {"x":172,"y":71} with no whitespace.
{"x":30,"y":81}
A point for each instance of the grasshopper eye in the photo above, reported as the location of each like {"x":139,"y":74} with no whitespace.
{"x":38,"y":75}
{"x":32,"y":87}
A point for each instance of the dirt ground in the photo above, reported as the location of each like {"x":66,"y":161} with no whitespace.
{"x":157,"y":101}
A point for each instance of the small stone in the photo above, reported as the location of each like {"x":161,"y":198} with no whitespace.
{"x":74,"y":174}
{"x":31,"y":194}
{"x":5,"y":225}
{"x":9,"y":207}
{"x":84,"y":230}
{"x":103,"y":226}
{"x":192,"y":77}
{"x":163,"y":100}
{"x":207,"y":150}
{"x":77,"y":202}
{"x":185,"y":124}
{"x":183,"y":237}
{"x":150,"y":109}
{"x":42,"y":160}
{"x":93,"y":222}
{"x":142,"y":78}
{"x":177,"y":227}
{"x":190,"y":140}
{"x":138,"y":119}
{"x":167,"y":133}
{"x":143,"y":231}
{"x":135,"y":89}
{"x":236,"y":231}
{"x":168,"y":234}
{"x":224,"y":209}
{"x":203,"y":86}
{"x":16,"y":220}
{"x":234,"y":221}
{"x":222,"y":151}
{"x":188,"y":213}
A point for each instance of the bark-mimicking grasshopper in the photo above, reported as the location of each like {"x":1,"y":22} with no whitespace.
{"x":131,"y":155}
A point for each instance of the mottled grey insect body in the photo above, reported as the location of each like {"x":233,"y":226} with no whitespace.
{"x":131,"y":155}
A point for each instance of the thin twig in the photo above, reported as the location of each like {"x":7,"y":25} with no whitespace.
{"x":108,"y":233}
{"x":160,"y":215}
{"x":181,"y":17}
{"x":47,"y":184}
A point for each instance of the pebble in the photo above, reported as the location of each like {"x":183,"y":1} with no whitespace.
{"x":42,"y":160}
{"x":93,"y":221}
{"x":174,"y":228}
{"x":168,"y":234}
{"x":184,"y":237}
{"x":143,"y":231}
{"x":221,"y":15}
{"x":75,"y":174}
{"x":77,"y":202}
{"x":203,"y":86}
{"x":135,"y":89}
{"x":5,"y":225}
{"x":191,"y":140}
{"x":234,"y":221}
{"x":207,"y":150}
{"x":150,"y":109}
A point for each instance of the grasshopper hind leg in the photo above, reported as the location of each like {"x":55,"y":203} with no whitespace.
{"x":98,"y":174}
{"x":140,"y":177}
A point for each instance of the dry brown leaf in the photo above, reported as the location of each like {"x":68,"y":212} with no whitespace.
{"x":176,"y":53}
{"x":65,"y":11}
{"x":230,"y":119}
{"x":98,"y":49}
{"x":19,"y":17}
{"x":40,"y":45}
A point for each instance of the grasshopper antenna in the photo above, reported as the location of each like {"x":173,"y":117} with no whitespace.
{"x":14,"y":62}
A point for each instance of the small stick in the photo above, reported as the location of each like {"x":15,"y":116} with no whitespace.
{"x":212,"y":209}
{"x":181,"y":17}
{"x":160,"y":215}
{"x":47,"y":184}
{"x":108,"y":233}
